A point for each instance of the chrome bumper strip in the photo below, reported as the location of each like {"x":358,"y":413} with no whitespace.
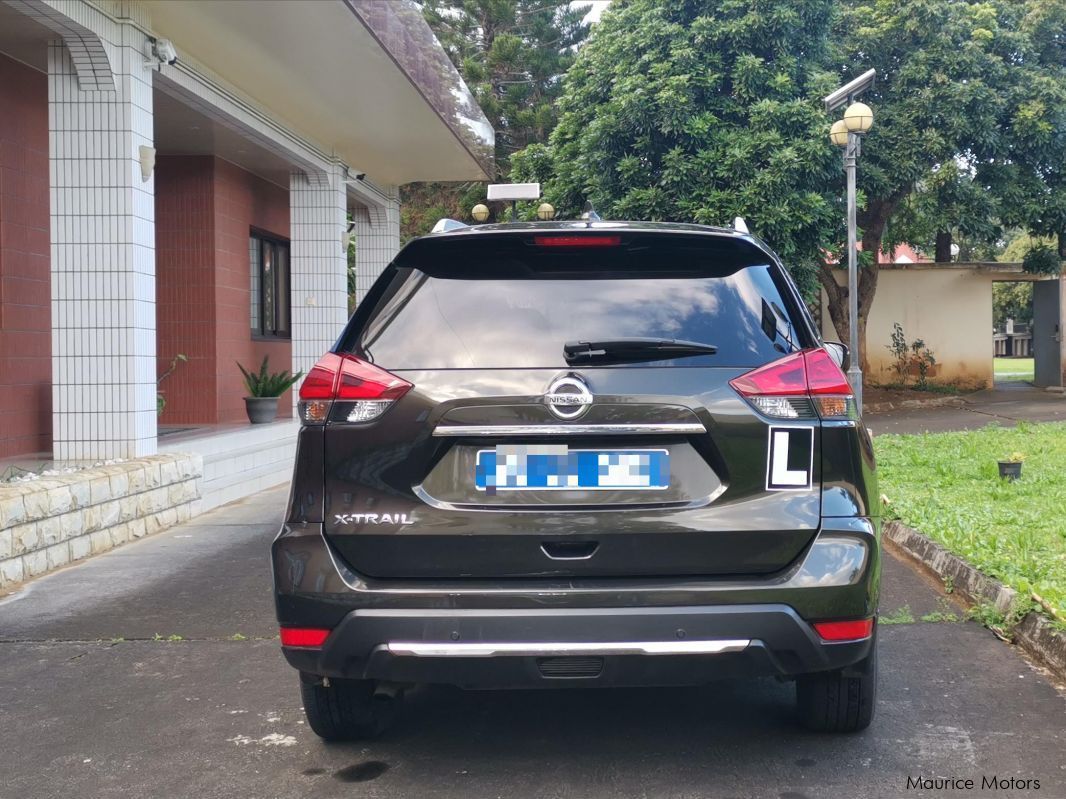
{"x":484,"y":650}
{"x":671,"y":428}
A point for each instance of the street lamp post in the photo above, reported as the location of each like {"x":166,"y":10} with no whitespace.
{"x":851,"y":157}
{"x":847,"y":133}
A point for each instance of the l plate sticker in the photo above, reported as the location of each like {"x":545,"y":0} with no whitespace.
{"x":790,"y":459}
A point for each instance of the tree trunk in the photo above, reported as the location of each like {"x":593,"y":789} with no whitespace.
{"x":871,"y":242}
{"x":838,"y":310}
{"x":1062,"y":244}
{"x":943,"y":247}
{"x":837,"y":299}
{"x":871,"y":221}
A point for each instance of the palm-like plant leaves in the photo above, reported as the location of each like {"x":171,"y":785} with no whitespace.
{"x":268,"y":384}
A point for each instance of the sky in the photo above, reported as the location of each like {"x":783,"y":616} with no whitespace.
{"x":597,"y":8}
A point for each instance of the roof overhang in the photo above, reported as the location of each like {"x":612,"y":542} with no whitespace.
{"x":365,"y":81}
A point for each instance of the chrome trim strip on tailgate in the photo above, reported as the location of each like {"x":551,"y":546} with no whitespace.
{"x":674,"y":428}
{"x":535,"y":649}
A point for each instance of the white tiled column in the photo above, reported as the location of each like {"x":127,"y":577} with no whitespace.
{"x":318,"y":214}
{"x":377,"y":240}
{"x":103,"y":256}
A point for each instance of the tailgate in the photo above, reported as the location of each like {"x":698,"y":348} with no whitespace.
{"x":411,"y":508}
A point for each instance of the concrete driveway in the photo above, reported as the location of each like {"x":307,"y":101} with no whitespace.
{"x":92,"y":706}
{"x":1006,"y":405}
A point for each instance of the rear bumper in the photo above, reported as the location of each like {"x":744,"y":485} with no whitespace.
{"x":369,"y":618}
{"x":553,"y":647}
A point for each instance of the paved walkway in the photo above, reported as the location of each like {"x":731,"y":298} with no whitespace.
{"x":1005,"y":405}
{"x":92,"y":706}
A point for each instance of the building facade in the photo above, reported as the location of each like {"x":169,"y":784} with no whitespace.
{"x":179,"y":177}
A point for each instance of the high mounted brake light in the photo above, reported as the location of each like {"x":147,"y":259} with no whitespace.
{"x":577,"y":241}
{"x":801,"y":382}
{"x":346,"y":388}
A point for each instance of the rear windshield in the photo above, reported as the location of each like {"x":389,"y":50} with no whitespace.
{"x":427,"y":321}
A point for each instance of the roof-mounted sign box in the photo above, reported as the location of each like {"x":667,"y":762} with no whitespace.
{"x":514,"y":191}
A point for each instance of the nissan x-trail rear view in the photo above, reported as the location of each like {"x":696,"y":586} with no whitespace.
{"x":579,"y":454}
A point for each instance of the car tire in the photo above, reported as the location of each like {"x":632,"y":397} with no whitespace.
{"x":839,"y":701}
{"x":345,"y":710}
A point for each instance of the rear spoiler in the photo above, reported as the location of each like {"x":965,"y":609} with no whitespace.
{"x":525,"y":251}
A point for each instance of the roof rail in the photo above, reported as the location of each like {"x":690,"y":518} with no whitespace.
{"x":446,"y":224}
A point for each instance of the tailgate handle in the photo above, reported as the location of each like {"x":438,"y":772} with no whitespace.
{"x":569,"y":550}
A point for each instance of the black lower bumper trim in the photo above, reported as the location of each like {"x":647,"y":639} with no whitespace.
{"x":776,"y":641}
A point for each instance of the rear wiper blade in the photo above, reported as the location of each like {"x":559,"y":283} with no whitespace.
{"x":633,"y":349}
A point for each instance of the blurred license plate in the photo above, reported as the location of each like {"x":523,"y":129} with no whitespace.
{"x":549,"y":467}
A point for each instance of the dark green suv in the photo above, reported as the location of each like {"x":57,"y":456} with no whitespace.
{"x":580,"y":454}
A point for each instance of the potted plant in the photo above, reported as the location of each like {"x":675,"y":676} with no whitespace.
{"x":1011,"y":467}
{"x":264,"y":388}
{"x":160,"y":400}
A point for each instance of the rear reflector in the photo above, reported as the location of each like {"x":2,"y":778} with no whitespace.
{"x":364,"y":390}
{"x":577,"y":241}
{"x":844,"y":630}
{"x":307,"y":637}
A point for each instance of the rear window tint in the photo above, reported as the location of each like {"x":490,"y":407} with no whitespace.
{"x":443,"y":322}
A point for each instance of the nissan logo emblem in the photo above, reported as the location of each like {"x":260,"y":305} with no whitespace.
{"x":568,"y":397}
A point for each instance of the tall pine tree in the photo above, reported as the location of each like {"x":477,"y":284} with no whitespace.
{"x":513,"y":55}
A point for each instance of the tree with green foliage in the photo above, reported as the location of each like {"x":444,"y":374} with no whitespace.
{"x":947,"y":208}
{"x":1032,"y":179}
{"x":1018,"y":243}
{"x":1012,"y":301}
{"x":698,"y":110}
{"x":958,"y":92}
{"x":512,"y":55}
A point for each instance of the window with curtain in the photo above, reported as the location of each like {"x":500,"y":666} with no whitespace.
{"x":269,"y":261}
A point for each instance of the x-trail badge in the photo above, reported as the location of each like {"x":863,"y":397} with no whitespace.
{"x":568,"y":397}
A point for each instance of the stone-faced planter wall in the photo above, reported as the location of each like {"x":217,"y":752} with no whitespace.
{"x":55,"y":520}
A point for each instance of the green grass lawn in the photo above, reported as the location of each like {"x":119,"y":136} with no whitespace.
{"x":1012,"y":369}
{"x":947,"y":486}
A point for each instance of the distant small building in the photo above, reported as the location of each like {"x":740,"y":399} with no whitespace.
{"x":901,"y":254}
{"x":949,"y":306}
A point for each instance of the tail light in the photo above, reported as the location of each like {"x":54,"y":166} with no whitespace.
{"x":305,"y":637}
{"x":343,"y":388}
{"x":838,"y":631}
{"x":802,"y":384}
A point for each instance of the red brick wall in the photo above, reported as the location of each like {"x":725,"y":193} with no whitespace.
{"x":205,"y":211}
{"x":185,"y":286}
{"x":242,"y":202}
{"x":25,"y":279}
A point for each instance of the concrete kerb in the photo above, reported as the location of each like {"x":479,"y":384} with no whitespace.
{"x":914,"y":404}
{"x":1035,"y":633}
